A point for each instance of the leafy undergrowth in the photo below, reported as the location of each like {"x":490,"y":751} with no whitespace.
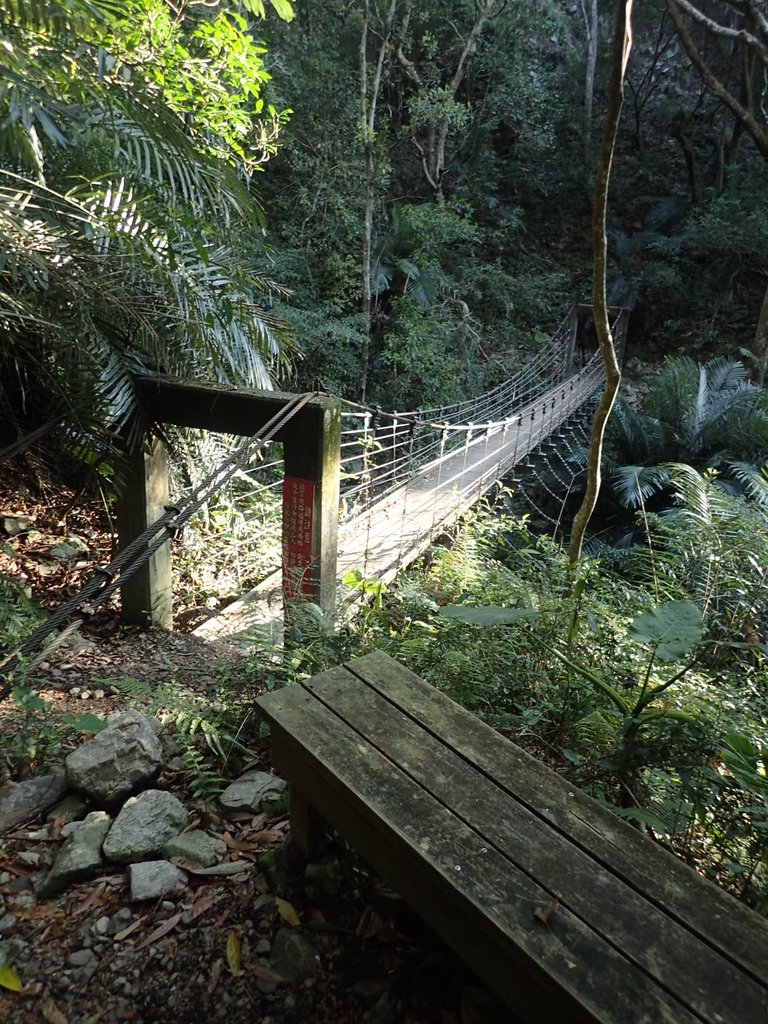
{"x":615,"y":679}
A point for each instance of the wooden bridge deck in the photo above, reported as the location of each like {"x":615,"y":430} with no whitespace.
{"x":396,"y":530}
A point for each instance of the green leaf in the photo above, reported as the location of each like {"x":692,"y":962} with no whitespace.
{"x":86,"y":722}
{"x":9,"y":979}
{"x":283,"y":8}
{"x":673,"y":629}
{"x":487,"y":615}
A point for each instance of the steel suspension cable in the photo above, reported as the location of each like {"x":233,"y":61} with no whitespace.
{"x":106,"y":580}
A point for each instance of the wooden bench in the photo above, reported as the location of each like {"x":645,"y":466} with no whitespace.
{"x":476,"y":835}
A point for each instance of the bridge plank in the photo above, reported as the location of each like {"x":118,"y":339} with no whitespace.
{"x":672,"y":956}
{"x":717,"y":918}
{"x":562,"y":973}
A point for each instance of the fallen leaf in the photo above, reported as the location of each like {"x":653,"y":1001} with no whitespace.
{"x":158,"y":933}
{"x":233,"y":954}
{"x":265,"y":974}
{"x":216,"y":970}
{"x":287,"y":912}
{"x":238,"y":845}
{"x":204,"y":901}
{"x":268,"y":835}
{"x":52,"y":1013}
{"x":129,"y":930}
{"x":9,"y":979}
{"x":38,"y":912}
{"x":544,"y":912}
{"x":231,"y":868}
{"x":94,"y":898}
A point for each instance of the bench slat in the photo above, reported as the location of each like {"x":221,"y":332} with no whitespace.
{"x":718,"y":919}
{"x":671,"y":955}
{"x":552,"y":975}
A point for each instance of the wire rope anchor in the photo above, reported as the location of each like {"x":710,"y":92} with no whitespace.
{"x":105,"y":575}
{"x":173,"y":527}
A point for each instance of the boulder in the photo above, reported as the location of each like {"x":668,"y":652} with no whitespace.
{"x":121,"y":757}
{"x":22,"y":801}
{"x":153,"y":879}
{"x":197,"y":846}
{"x":79,"y":856}
{"x":144,"y":825}
{"x":248,"y":792}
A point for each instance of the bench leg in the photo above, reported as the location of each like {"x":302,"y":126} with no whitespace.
{"x":306,"y":825}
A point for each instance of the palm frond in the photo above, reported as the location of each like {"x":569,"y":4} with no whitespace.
{"x":634,"y":485}
{"x":49,"y":16}
{"x":752,"y":480}
{"x":725,"y":374}
{"x":693,"y":492}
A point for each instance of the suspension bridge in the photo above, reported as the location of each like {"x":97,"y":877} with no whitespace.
{"x":363,"y":491}
{"x":406,"y":477}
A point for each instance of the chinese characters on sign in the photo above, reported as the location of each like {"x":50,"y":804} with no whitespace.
{"x":298,"y":501}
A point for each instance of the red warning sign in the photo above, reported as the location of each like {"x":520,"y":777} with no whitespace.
{"x":298,"y":504}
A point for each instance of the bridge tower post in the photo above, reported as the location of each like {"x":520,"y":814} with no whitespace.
{"x":311,"y":451}
{"x":147,"y":597}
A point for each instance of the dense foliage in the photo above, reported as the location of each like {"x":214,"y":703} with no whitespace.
{"x":131,"y":237}
{"x":423,"y":222}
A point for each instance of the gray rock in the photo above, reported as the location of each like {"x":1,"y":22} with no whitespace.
{"x":144,"y":825}
{"x":101,"y":925}
{"x":7,"y":923}
{"x":32,"y":858}
{"x":69,"y":548}
{"x":81,"y":957}
{"x":294,"y":957}
{"x":247,"y":792}
{"x":70,"y":828}
{"x":119,"y":920}
{"x":22,"y":801}
{"x":154,"y":878}
{"x":79,"y":856}
{"x":197,"y":846}
{"x":10,"y":950}
{"x":122,"y":756}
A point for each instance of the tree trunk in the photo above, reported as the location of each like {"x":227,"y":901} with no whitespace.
{"x":761,"y":339}
{"x":622,"y":41}
{"x":368,"y":104}
{"x":590,"y":23}
{"x":433,"y":160}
